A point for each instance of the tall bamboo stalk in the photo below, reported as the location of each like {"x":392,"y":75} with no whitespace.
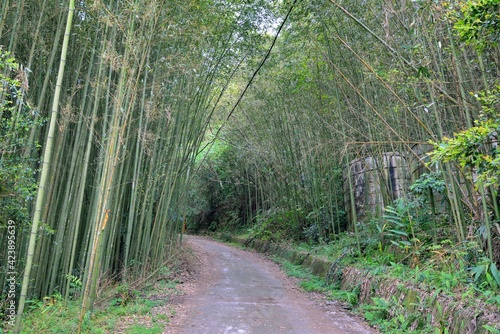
{"x":45,"y":169}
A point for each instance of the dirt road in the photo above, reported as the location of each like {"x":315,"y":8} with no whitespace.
{"x":241,"y":292}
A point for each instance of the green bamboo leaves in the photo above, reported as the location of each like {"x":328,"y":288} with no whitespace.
{"x":346,"y":89}
{"x":126,"y":125}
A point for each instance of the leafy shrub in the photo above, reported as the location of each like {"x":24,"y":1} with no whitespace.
{"x":17,"y":174}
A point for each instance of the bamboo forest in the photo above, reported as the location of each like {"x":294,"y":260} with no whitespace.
{"x":368,"y":129}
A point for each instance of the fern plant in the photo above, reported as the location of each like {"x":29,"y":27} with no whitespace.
{"x":486,"y":273}
{"x":399,"y":227}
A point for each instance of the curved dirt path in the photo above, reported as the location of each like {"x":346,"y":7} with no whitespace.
{"x":241,"y":292}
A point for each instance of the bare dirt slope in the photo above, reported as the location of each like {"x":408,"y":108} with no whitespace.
{"x":237,"y":291}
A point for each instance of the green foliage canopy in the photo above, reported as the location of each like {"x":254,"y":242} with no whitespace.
{"x":479,"y":23}
{"x":17,"y":179}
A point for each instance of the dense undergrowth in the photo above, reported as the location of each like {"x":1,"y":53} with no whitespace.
{"x":121,"y":308}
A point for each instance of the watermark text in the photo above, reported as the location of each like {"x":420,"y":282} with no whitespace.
{"x":11,"y":273}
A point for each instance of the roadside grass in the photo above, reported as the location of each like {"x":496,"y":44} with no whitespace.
{"x":312,"y":283}
{"x":448,"y":269}
{"x":386,"y":316}
{"x":120,"y":309}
